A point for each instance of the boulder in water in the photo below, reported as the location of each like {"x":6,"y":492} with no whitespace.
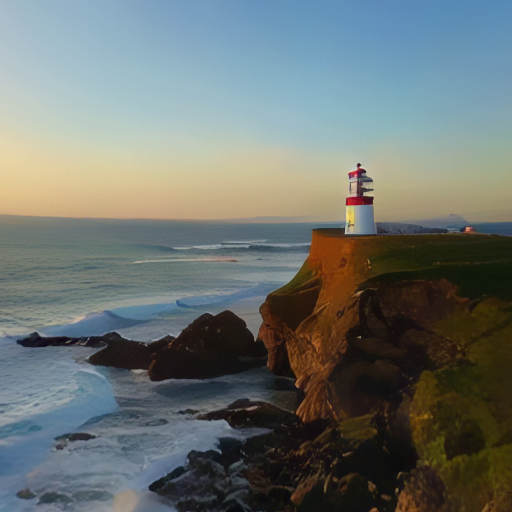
{"x":129,"y":354}
{"x":63,"y":440}
{"x":25,"y":494}
{"x":248,"y":413}
{"x":35,"y":340}
{"x":209,"y":347}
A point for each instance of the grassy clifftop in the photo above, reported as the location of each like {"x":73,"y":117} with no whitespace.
{"x":478,"y":264}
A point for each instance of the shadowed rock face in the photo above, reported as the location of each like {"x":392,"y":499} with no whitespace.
{"x":248,"y":413}
{"x":424,"y":492}
{"x":209,"y":347}
{"x":382,"y":347}
{"x":132,"y":355}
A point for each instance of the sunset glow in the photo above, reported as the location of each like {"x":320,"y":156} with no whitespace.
{"x":210,"y":110}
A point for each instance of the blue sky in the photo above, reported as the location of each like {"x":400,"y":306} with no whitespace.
{"x":213,"y":109}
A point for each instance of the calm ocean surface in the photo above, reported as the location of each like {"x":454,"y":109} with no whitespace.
{"x":143,"y":279}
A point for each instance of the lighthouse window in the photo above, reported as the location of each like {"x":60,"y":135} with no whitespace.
{"x":353,"y":187}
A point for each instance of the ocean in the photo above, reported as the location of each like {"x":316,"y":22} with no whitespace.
{"x":143,"y":279}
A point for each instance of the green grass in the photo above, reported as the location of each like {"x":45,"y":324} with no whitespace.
{"x":479,"y":265}
{"x":419,"y":251}
{"x":303,"y":276}
{"x":474,"y":280}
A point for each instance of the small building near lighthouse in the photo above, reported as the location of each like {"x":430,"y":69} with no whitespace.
{"x":359,"y":219}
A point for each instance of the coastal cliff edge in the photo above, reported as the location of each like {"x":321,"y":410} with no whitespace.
{"x":415,"y":331}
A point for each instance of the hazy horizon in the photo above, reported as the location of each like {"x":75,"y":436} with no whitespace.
{"x":261,"y":219}
{"x":222,"y":109}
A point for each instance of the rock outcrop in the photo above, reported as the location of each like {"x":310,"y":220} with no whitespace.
{"x":65,"y":439}
{"x":296,"y":467}
{"x":209,"y":347}
{"x":132,"y":355}
{"x":252,"y":414}
{"x":418,"y":328}
{"x":35,"y":340}
{"x":117,"y":352}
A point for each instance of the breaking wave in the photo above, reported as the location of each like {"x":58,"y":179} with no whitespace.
{"x":220,"y":298}
{"x":96,"y":324}
{"x":251,"y":246}
{"x":178,"y":260}
{"x":163,"y":248}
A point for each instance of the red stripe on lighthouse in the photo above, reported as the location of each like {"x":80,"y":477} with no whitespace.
{"x":358,"y":200}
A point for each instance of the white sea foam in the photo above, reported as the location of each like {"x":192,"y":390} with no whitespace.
{"x":181,"y":260}
{"x":245,"y":241}
{"x":145,"y":311}
{"x":243,"y":245}
{"x":141,"y":440}
{"x":204,"y":247}
{"x":92,"y":325}
{"x":127,"y":317}
{"x":215,"y":298}
{"x":305,"y":244}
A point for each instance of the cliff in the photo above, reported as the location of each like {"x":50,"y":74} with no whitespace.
{"x":416,"y":331}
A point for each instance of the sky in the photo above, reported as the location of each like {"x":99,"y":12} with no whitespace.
{"x":213,"y":109}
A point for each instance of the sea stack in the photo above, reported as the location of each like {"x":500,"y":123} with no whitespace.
{"x":359,"y":219}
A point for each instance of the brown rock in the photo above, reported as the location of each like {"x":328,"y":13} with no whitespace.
{"x":209,"y":347}
{"x":128,"y":354}
{"x":25,"y":494}
{"x":35,"y":340}
{"x":122,"y":353}
{"x":282,"y":313}
{"x":248,"y":413}
{"x":331,"y":494}
{"x":424,"y":492}
{"x":118,"y":352}
{"x":63,"y":440}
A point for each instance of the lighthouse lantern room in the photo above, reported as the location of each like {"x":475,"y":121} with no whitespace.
{"x":359,"y":218}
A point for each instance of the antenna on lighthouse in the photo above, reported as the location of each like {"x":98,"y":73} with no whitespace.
{"x":359,"y":219}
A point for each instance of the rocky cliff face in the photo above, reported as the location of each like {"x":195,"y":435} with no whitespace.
{"x":418,"y":331}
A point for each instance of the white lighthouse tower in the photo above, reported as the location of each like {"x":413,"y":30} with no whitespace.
{"x":359,"y":218}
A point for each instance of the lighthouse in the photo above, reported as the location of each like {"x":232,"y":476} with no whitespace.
{"x":359,"y":218}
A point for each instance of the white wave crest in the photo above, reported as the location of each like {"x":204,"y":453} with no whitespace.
{"x":204,"y":247}
{"x":236,"y":242}
{"x":95,"y":324}
{"x":176,"y":260}
{"x":304,"y":244}
{"x":242,"y":245}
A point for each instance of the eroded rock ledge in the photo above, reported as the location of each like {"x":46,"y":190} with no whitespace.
{"x":316,"y":467}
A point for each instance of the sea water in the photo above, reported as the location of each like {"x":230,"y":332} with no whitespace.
{"x":144,"y":279}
